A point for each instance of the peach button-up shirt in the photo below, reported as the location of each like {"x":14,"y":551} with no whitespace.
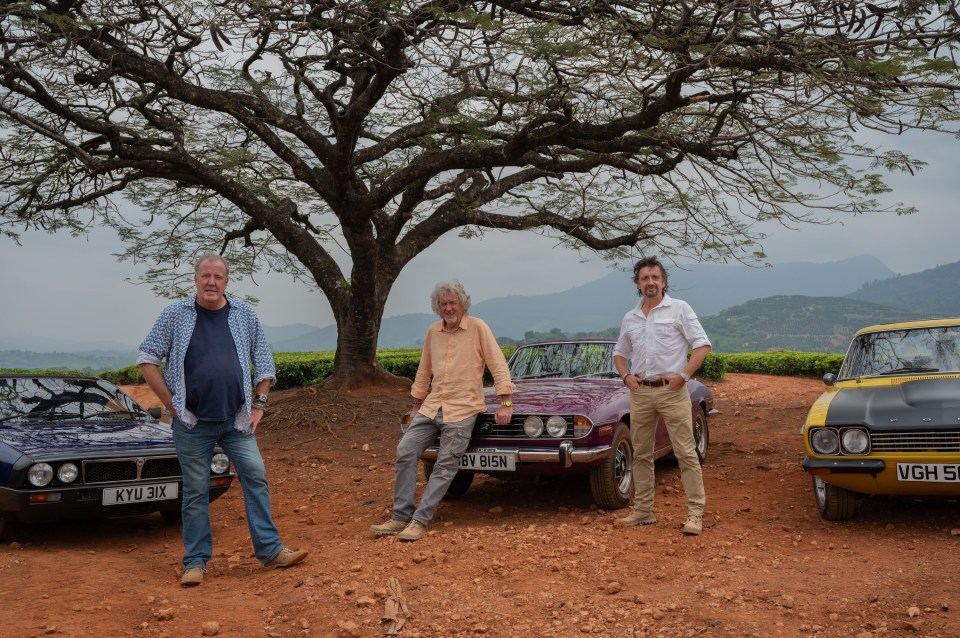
{"x":455,"y":360}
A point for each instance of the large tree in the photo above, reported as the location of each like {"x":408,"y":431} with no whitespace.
{"x":284,"y":131}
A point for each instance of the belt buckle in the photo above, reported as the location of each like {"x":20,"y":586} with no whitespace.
{"x":654,"y":381}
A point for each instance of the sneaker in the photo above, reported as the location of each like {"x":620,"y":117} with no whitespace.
{"x":393,"y":526}
{"x":693,"y":526}
{"x":413,"y":532}
{"x":287,"y":558}
{"x":636,"y":518}
{"x":192,"y":577}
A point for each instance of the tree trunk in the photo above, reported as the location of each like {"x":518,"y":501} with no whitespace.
{"x":358,"y":315}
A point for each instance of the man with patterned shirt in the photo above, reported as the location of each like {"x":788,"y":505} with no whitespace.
{"x":455,"y":351}
{"x":208,"y":341}
{"x":651,"y":357}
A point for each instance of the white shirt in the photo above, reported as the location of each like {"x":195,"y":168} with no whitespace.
{"x":656,"y":344}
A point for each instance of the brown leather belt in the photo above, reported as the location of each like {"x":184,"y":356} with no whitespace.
{"x":654,"y":383}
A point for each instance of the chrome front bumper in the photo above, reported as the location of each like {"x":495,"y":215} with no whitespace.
{"x":567,"y":455}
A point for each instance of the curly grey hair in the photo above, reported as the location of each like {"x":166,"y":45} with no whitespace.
{"x":445,"y":287}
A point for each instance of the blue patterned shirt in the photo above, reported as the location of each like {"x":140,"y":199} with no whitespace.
{"x":170,"y":337}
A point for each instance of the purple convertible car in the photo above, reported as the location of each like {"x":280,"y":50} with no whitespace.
{"x":571,"y":414}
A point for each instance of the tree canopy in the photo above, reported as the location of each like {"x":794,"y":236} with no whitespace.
{"x":288,"y":132}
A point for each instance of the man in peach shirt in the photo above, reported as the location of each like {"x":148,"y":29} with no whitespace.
{"x":455,"y":351}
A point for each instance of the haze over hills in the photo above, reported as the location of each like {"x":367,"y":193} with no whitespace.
{"x":797,"y":306}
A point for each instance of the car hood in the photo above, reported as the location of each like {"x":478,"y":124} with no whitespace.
{"x":590,"y":397}
{"x":923,"y":403}
{"x":62,"y":436}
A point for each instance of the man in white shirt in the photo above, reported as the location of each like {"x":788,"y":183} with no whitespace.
{"x":651,"y":357}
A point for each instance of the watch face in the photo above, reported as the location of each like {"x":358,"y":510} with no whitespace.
{"x":262,"y":398}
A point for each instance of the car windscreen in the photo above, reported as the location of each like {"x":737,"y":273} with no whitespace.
{"x":563,"y":360}
{"x":907,"y":351}
{"x":42,"y":399}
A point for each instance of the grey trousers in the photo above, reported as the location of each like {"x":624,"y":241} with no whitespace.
{"x":420,"y":434}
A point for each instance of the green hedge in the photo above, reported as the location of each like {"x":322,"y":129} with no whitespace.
{"x":784,"y":363}
{"x":299,"y":369}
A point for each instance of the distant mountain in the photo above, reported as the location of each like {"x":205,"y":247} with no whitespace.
{"x":934,"y":292}
{"x":92,"y":362}
{"x":804,"y":324}
{"x":709,"y":288}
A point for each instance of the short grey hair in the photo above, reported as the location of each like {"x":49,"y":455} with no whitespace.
{"x":210,"y":256}
{"x":449,"y":287}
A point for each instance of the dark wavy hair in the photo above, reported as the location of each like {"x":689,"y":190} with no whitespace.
{"x":649,"y":262}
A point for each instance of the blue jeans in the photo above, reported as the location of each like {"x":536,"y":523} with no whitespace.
{"x":195,"y":451}
{"x":420,"y":434}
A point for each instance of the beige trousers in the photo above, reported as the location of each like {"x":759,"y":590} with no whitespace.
{"x":646,"y":405}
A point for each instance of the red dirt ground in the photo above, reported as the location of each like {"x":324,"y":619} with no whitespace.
{"x":512,"y":559}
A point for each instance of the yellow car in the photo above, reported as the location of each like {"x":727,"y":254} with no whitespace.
{"x":890,"y":422}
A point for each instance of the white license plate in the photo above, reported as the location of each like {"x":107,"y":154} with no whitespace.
{"x":929,"y":472}
{"x":140,"y":493}
{"x":490,"y":461}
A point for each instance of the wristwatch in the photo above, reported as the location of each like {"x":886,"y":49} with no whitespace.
{"x":260,"y":398}
{"x":685,"y":376}
{"x":506,"y":404}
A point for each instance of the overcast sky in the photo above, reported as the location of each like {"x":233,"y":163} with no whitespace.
{"x":58,"y":286}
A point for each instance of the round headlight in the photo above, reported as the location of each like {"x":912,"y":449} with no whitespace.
{"x":40,"y":474}
{"x":556,"y":426}
{"x":533,"y":426}
{"x":220,"y":463}
{"x":855,"y":441}
{"x":824,"y":441}
{"x":67,"y":473}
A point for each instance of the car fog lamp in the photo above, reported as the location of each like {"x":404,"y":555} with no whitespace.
{"x":855,"y":441}
{"x":220,"y":463}
{"x":40,"y":474}
{"x":533,"y":426}
{"x":67,"y":473}
{"x":824,"y":441}
{"x":556,"y":426}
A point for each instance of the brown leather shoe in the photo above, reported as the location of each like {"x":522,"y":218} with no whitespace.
{"x":636,"y":518}
{"x":413,"y":532}
{"x":191,"y":577}
{"x":393,"y":526}
{"x":287,"y":558}
{"x":693,"y":526}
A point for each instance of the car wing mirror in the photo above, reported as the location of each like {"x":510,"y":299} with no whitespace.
{"x":829,"y":378}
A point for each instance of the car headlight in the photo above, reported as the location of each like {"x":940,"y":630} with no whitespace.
{"x":824,"y":441}
{"x":855,"y":441}
{"x":40,"y":474}
{"x":220,"y":463}
{"x":556,"y":426}
{"x":67,"y":473}
{"x":533,"y":426}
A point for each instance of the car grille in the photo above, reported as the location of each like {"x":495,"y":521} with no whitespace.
{"x":915,"y":442}
{"x":486,"y":426}
{"x":130,"y":469}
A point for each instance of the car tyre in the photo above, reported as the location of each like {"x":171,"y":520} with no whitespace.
{"x":612,"y":482}
{"x":701,"y":434}
{"x":834,"y":503}
{"x":458,"y":486}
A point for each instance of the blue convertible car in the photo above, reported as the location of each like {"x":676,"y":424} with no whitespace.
{"x":78,"y":447}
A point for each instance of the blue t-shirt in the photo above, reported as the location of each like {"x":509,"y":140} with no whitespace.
{"x":212,"y":371}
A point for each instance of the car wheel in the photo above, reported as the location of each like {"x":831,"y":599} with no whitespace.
{"x":458,"y":486}
{"x":171,"y":516}
{"x":701,"y":435}
{"x":834,"y":503}
{"x":612,"y":482}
